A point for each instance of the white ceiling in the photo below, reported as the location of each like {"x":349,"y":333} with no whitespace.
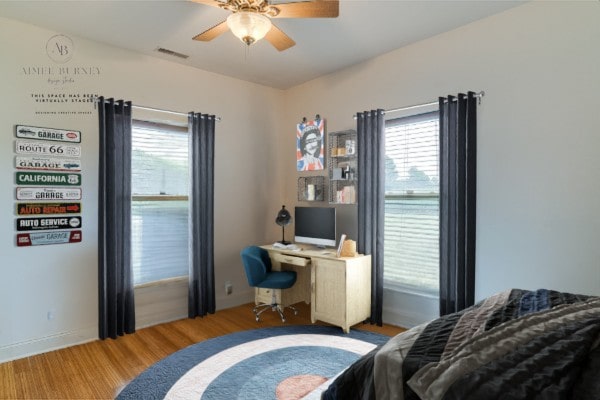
{"x":363,"y":30}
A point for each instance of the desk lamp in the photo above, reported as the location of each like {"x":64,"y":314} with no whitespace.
{"x":283,"y":218}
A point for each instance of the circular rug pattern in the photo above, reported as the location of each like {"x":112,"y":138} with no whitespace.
{"x":270,"y":363}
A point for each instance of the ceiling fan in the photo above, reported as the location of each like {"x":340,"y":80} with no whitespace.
{"x":250,"y":20}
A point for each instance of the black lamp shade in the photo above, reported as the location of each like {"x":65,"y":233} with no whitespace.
{"x":283,"y":218}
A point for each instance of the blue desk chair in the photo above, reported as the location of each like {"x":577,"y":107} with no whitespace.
{"x":258,"y":271}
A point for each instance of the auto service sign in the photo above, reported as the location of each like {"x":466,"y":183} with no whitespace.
{"x":48,"y":223}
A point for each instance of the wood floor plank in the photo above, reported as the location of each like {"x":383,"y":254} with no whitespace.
{"x":100,"y":369}
{"x":7,"y":378}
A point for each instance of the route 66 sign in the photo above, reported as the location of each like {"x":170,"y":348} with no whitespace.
{"x":47,"y":148}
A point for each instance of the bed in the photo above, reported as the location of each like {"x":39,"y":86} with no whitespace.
{"x":517,"y":344}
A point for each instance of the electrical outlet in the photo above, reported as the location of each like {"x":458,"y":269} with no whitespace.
{"x":228,"y":288}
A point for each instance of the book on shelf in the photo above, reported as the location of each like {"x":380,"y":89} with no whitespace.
{"x":346,"y":195}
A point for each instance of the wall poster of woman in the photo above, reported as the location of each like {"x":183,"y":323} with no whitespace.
{"x":309,"y":145}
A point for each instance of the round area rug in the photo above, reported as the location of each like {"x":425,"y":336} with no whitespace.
{"x":270,"y":363}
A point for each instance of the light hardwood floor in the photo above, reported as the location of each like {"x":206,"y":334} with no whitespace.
{"x":100,"y":369}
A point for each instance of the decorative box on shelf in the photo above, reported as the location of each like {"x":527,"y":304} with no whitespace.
{"x":311,"y":188}
{"x":342,"y":192}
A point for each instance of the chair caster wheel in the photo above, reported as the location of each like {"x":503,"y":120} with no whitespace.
{"x":257,"y":319}
{"x":283,"y":321}
{"x":295,"y":312}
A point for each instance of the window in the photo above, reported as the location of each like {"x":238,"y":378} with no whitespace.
{"x":412,"y":194}
{"x":159,"y":210}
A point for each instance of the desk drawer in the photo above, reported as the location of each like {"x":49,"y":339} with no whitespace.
{"x":287,"y":259}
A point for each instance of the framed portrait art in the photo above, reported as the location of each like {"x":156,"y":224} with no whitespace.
{"x":309,"y":145}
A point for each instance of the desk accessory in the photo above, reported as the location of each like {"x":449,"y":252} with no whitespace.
{"x":348,"y":249}
{"x":291,"y":246}
{"x":340,"y":245}
{"x":283,"y":218}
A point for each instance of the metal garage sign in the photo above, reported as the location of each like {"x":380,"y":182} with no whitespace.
{"x":46,"y":193}
{"x":47,"y":149}
{"x":47,"y":179}
{"x":59,"y":135}
{"x":48,"y":223}
{"x":41,"y":238}
{"x":48,"y":208}
{"x":47,"y":163}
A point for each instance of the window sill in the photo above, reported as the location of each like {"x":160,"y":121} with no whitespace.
{"x":159,"y":197}
{"x":162,"y":282}
{"x":397,"y":287}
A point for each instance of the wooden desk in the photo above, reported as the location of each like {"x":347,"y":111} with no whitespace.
{"x":338,"y":289}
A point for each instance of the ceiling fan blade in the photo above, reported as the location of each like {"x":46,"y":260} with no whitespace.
{"x":213,"y":32}
{"x":214,"y":3}
{"x":278,"y":39}
{"x":309,"y":9}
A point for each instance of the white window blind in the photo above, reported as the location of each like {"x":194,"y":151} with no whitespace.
{"x":159,"y":187}
{"x":411,"y":243}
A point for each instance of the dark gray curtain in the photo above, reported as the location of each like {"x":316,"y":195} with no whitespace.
{"x":115,"y":278}
{"x":371,"y":200}
{"x":201,"y":292}
{"x":458,"y":159}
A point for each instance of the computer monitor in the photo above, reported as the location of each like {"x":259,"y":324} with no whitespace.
{"x":315,"y":225}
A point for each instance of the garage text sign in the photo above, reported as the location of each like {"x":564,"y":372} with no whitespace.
{"x":41,"y":238}
{"x":45,"y":193}
{"x":59,"y":135}
{"x":47,"y":163}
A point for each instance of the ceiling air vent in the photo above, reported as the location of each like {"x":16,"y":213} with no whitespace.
{"x":171,"y":53}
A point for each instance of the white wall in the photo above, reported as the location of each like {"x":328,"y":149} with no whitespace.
{"x":63,"y":278}
{"x":538,"y":136}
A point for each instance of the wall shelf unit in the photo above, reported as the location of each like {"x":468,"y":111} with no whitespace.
{"x":342,"y":167}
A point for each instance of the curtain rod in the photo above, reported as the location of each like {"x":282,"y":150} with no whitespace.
{"x":218,"y":119}
{"x":433,"y":103}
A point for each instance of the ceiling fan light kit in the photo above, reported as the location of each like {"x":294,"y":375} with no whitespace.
{"x":250,"y":20}
{"x":248,"y":26}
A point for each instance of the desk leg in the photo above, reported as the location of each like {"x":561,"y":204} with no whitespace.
{"x":312,"y":297}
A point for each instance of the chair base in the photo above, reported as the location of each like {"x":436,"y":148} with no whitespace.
{"x":273,"y":307}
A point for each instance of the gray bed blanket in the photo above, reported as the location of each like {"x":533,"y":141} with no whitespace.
{"x":517,"y":344}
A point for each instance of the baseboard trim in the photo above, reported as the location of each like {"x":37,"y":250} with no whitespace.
{"x":48,"y":343}
{"x":59,"y":341}
{"x":235,"y":300}
{"x":157,"y":319}
{"x":407,"y":309}
{"x":403,"y":319}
